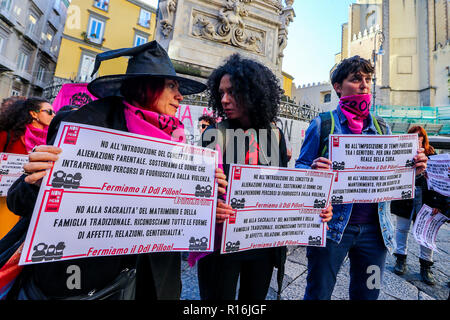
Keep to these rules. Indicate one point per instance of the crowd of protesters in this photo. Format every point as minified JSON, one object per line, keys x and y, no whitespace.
{"x":246,"y":96}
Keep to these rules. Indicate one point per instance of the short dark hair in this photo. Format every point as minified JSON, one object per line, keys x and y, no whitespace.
{"x":209,"y":119}
{"x":350,"y":65}
{"x":255,"y":87}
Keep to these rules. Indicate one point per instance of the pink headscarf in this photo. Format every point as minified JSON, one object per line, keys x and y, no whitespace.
{"x":356,"y":109}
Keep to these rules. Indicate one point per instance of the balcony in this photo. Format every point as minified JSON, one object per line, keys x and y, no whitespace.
{"x":7,"y":16}
{"x":31,"y":35}
{"x":6,"y":64}
{"x":41,"y":84}
{"x":24,"y":75}
{"x":48,"y":50}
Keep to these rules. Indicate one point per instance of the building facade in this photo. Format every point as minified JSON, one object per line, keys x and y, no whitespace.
{"x":30,"y":36}
{"x":95,"y":26}
{"x":318,"y":95}
{"x":408,"y":41}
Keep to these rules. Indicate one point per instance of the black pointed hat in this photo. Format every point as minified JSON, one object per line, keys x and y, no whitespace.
{"x":147,"y":60}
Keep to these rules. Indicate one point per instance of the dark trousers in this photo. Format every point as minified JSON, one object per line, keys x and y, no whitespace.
{"x":218,"y":275}
{"x":158,"y":276}
{"x":367,"y":253}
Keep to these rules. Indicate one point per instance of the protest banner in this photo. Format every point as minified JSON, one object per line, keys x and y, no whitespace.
{"x":426,"y":227}
{"x":72,"y":94}
{"x":438,"y":173}
{"x":113,"y":192}
{"x":372,"y":152}
{"x":11,"y":168}
{"x":353,"y":186}
{"x":373,"y":168}
{"x":294,"y":130}
{"x":275,"y":207}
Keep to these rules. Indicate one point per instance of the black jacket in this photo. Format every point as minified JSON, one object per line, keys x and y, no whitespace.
{"x":278,"y":254}
{"x":433,"y":199}
{"x":96,"y":273}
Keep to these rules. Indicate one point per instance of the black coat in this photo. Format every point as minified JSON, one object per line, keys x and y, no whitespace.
{"x":403,"y":208}
{"x":276,"y":255}
{"x":96,"y":273}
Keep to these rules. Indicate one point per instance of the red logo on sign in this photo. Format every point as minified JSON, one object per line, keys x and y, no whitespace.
{"x":72,"y":135}
{"x":54,"y":200}
{"x":232,"y":217}
{"x":237,"y":174}
{"x":335,"y":141}
{"x":4,"y":157}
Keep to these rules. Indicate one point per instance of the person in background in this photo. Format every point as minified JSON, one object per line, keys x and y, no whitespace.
{"x":363,"y":231}
{"x":406,"y":210}
{"x":10,"y":100}
{"x":205,"y":121}
{"x":23,"y":125}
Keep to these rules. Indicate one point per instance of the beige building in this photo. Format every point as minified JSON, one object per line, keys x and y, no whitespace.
{"x":320,"y":96}
{"x":412,"y":69}
{"x":30,"y":36}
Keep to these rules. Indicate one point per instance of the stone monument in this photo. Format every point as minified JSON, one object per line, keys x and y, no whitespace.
{"x":200,"y":34}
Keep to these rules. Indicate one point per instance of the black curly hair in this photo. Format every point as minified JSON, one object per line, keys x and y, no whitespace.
{"x":17,"y":115}
{"x":255,"y":88}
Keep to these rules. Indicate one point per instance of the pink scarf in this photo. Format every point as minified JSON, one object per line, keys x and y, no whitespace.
{"x":34,"y":136}
{"x":356,"y":109}
{"x":152,"y":124}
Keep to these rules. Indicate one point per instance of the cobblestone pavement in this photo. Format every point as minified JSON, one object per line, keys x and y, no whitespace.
{"x":394,"y":287}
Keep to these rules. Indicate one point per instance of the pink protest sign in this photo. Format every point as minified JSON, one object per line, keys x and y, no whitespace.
{"x":75,"y":94}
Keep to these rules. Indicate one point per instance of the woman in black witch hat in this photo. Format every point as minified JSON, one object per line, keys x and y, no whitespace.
{"x":139,"y":101}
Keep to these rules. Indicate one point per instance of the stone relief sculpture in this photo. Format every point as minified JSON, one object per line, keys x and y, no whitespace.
{"x":287,"y":16}
{"x":229,"y":27}
{"x":167,"y":9}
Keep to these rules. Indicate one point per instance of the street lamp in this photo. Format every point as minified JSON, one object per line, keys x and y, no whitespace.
{"x":374,"y":55}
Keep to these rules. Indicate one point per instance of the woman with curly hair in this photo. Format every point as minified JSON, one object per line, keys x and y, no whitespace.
{"x":247,"y":95}
{"x":23,"y":125}
{"x":9,"y":101}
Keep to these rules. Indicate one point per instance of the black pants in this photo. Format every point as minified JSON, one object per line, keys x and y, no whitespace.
{"x":158,"y":276}
{"x":218,"y":275}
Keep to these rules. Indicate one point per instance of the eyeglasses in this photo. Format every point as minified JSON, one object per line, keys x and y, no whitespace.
{"x":50,"y":112}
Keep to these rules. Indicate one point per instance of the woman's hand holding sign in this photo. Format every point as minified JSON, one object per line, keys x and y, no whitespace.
{"x":223,"y":211}
{"x":221,"y":181}
{"x":321,"y":163}
{"x":327,"y":214}
{"x":420,"y":161}
{"x":39,"y":161}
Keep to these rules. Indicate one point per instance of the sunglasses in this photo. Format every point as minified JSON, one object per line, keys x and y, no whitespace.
{"x":203,"y":126}
{"x":50,"y":112}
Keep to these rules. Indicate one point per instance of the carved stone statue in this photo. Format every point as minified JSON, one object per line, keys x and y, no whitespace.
{"x":287,"y":17}
{"x":229,"y":27}
{"x":167,"y":9}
